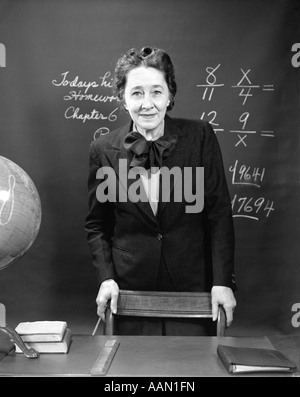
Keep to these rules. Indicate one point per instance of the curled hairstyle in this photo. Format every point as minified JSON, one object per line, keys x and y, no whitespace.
{"x":149,"y":57}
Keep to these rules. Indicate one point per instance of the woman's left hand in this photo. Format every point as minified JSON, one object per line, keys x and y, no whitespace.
{"x":224,"y":296}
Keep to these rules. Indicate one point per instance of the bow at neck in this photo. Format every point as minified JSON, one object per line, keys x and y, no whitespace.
{"x":149,"y":154}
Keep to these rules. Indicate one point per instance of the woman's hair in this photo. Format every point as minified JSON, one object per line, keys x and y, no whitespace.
{"x":149,"y":57}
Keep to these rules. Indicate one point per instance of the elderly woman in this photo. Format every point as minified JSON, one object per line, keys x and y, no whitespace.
{"x":138,"y":240}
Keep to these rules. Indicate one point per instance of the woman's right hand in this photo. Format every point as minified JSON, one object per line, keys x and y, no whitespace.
{"x":109,"y":290}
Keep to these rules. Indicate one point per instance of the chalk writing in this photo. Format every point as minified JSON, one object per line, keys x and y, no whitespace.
{"x":246,"y":90}
{"x":240,"y":132}
{"x":246,"y":175}
{"x":242,"y":174}
{"x":74,"y":113}
{"x":211,"y":83}
{"x":106,"y":80}
{"x":82,"y":91}
{"x":101,"y":131}
{"x":243,"y":132}
{"x":251,"y":208}
{"x":78,"y":96}
{"x":7,"y":199}
{"x":211,"y":117}
{"x":246,"y":87}
{"x":75,"y":83}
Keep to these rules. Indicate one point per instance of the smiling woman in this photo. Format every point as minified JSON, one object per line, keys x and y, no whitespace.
{"x":146,"y":98}
{"x":159,"y":234}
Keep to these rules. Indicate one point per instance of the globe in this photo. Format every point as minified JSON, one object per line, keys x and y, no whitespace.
{"x":20,"y":212}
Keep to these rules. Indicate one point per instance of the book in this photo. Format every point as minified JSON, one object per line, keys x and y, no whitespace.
{"x":247,"y":359}
{"x":42,"y":331}
{"x":50,"y":347}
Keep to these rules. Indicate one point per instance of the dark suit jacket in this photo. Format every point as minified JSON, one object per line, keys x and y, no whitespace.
{"x":128,"y":241}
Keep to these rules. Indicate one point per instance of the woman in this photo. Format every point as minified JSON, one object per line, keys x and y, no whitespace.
{"x":138,"y":240}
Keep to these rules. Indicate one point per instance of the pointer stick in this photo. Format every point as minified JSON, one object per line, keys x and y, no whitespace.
{"x":96,"y":327}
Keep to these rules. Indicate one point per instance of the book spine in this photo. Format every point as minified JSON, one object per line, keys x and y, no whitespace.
{"x":225,"y":360}
{"x":50,"y":347}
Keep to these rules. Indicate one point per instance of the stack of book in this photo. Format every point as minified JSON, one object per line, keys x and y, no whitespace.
{"x":45,"y":336}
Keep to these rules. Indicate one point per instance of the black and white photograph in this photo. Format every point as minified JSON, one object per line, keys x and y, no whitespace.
{"x":149,"y":191}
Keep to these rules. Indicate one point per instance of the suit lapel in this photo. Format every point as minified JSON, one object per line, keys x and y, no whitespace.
{"x":117,"y":153}
{"x":176,"y":158}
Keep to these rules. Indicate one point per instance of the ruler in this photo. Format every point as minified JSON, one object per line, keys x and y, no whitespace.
{"x":105,"y":358}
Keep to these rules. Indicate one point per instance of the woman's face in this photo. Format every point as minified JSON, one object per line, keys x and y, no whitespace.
{"x":146,"y":97}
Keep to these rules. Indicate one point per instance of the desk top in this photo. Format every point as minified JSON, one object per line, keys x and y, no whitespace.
{"x":144,"y":356}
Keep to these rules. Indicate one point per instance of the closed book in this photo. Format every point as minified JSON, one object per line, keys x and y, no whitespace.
{"x":42,"y":331}
{"x":50,"y":347}
{"x":248,"y":359}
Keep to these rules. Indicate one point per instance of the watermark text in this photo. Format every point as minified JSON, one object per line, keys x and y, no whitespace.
{"x":176,"y":184}
{"x":296,"y":57}
{"x":2,"y":56}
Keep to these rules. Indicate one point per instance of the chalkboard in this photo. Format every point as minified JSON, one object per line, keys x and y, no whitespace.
{"x":233,"y":68}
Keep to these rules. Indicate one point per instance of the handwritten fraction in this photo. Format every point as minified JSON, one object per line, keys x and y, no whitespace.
{"x":245,"y":89}
{"x":248,"y":204}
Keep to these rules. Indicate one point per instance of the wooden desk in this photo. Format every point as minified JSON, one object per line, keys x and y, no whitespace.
{"x":140,"y":356}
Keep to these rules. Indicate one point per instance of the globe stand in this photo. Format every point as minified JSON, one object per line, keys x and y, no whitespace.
{"x":14,"y":336}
